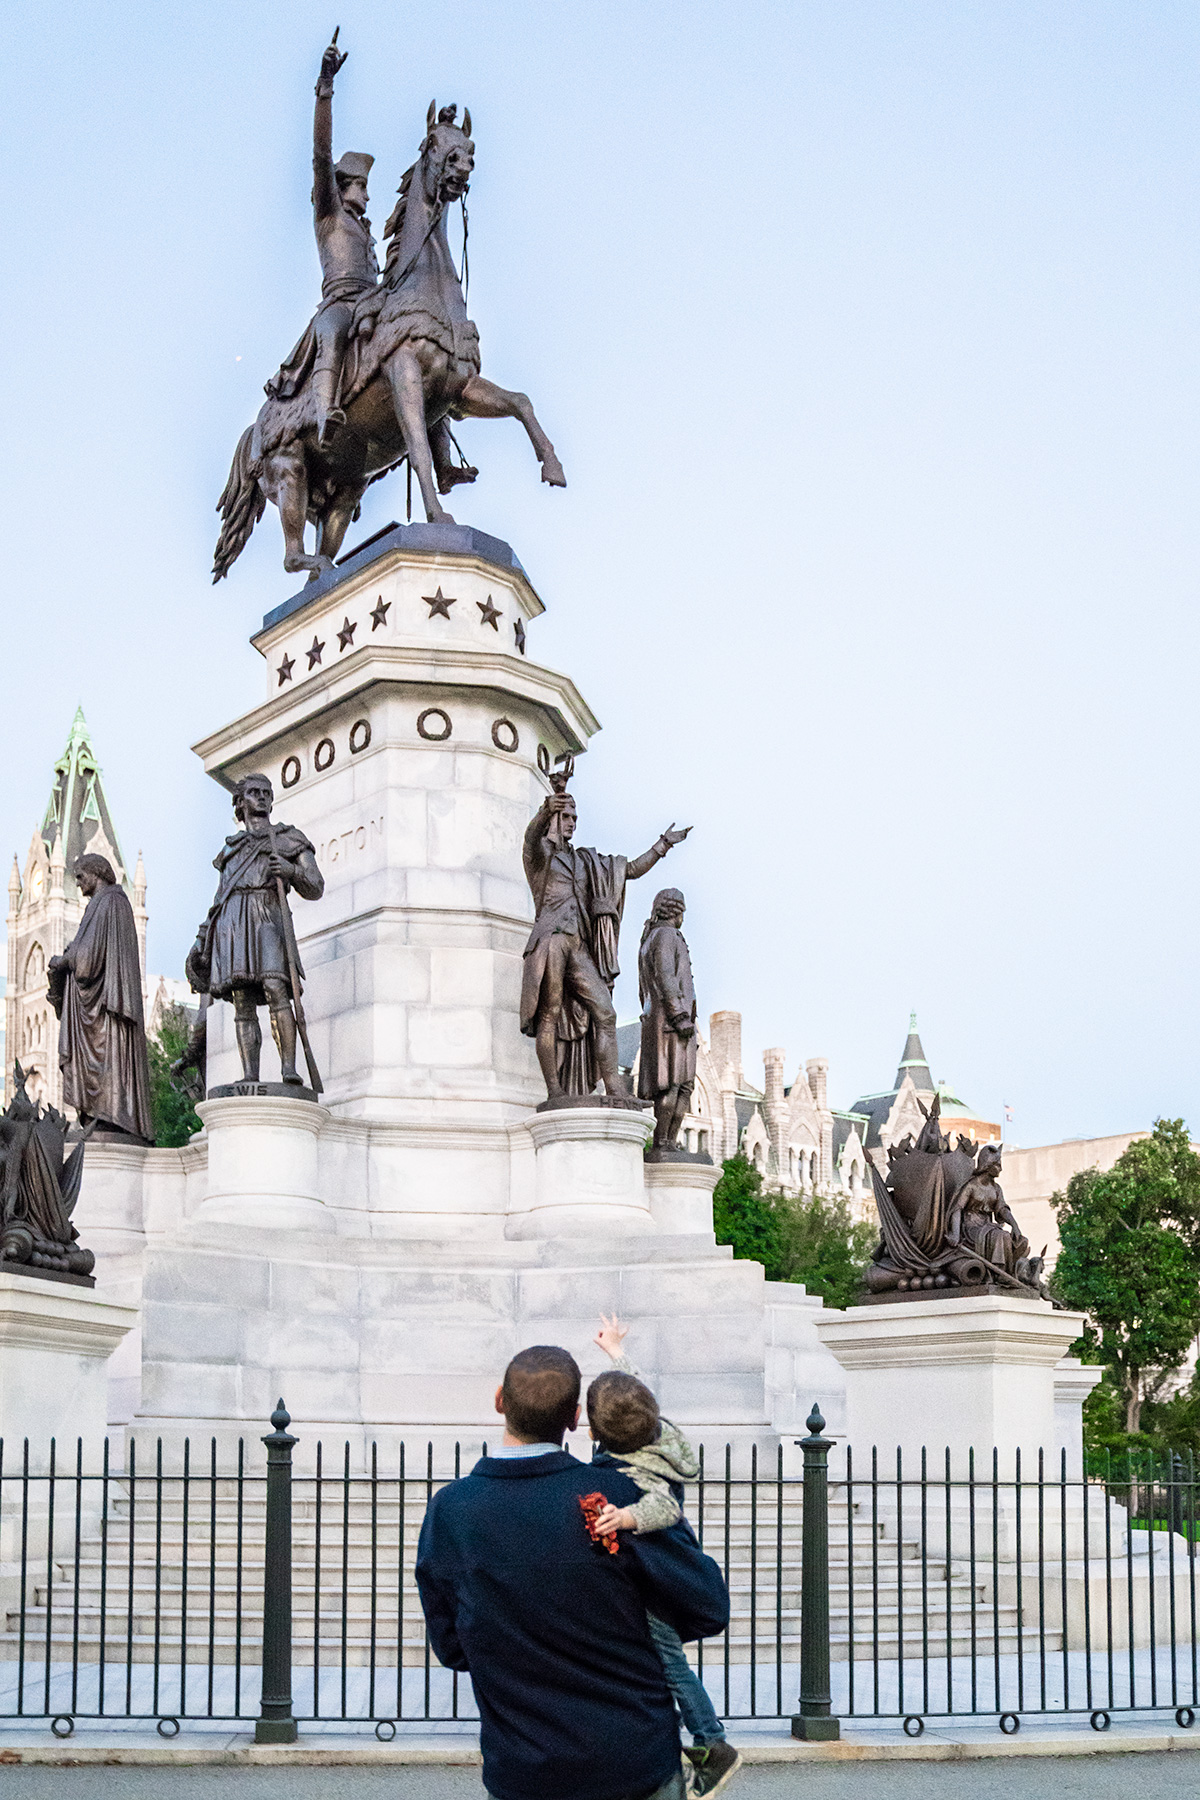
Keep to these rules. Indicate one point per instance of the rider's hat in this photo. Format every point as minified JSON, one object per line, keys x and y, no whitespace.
{"x":353,"y":165}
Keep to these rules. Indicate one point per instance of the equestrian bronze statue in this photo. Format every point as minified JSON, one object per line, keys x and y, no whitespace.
{"x":385,"y":363}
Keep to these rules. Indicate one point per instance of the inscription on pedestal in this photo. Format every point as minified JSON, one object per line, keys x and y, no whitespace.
{"x":356,"y":840}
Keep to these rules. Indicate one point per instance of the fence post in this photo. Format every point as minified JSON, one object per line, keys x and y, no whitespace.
{"x":277,"y":1724}
{"x":1175,"y":1508}
{"x":814,"y":1720}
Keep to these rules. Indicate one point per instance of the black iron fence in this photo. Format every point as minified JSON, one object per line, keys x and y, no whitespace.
{"x":225,"y":1589}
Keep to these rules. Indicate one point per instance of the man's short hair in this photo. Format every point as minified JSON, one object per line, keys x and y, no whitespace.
{"x":91,"y":864}
{"x":239,"y":792}
{"x":540,"y":1393}
{"x":622,"y":1412}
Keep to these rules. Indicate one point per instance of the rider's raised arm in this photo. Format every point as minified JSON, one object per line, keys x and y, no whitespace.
{"x":325,"y":189}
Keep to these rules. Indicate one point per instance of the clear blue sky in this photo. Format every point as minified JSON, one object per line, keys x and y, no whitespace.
{"x":868,"y":336}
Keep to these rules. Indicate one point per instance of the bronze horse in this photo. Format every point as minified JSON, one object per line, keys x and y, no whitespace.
{"x":412,"y":364}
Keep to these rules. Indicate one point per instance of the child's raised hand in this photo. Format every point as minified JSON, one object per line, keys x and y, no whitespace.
{"x":611,"y":1335}
{"x":612,"y":1518}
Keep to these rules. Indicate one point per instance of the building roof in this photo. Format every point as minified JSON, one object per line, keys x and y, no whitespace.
{"x":913,"y":1062}
{"x":77,"y":811}
{"x":846,"y":1122}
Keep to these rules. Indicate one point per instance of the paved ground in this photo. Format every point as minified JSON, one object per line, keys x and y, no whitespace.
{"x":1150,"y":1776}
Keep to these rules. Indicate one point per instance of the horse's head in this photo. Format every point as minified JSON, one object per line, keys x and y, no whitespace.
{"x":447,"y":155}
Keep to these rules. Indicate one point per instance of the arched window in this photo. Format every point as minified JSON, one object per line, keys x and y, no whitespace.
{"x":702,"y":1142}
{"x":758,"y":1156}
{"x":35,"y":966}
{"x":812,"y":1170}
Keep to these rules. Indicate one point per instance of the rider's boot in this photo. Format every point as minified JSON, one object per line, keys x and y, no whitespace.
{"x":329,"y":416}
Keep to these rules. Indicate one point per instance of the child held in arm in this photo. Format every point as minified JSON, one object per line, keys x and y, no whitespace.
{"x":625,"y":1422}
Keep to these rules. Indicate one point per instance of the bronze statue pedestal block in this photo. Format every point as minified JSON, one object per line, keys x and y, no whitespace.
{"x":261,"y":1090}
{"x":589,"y":1175}
{"x":680,"y":1186}
{"x":55,"y":1342}
{"x":611,"y":1102}
{"x":263,"y":1165}
{"x":937,"y":1374}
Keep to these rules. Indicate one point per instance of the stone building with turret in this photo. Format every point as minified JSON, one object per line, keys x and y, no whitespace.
{"x":790,"y":1132}
{"x":45,"y":907}
{"x":787,"y":1130}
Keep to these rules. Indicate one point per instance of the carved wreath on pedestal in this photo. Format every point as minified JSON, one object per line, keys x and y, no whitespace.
{"x":944,"y":1221}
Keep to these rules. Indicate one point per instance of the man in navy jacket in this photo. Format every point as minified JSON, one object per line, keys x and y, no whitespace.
{"x":552,"y":1629}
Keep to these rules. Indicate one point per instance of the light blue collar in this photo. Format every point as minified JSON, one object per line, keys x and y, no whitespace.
{"x":512,"y":1450}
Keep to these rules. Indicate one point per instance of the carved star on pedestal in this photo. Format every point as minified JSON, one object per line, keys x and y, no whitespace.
{"x":439,"y":603}
{"x":379,"y":613}
{"x":490,"y":613}
{"x":346,"y":634}
{"x":314,"y":652}
{"x":519,"y":634}
{"x":285,"y":668}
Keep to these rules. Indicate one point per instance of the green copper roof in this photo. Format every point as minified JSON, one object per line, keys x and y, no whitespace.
{"x":78,"y":809}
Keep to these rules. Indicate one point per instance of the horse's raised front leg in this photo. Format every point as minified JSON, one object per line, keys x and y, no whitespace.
{"x":284,"y":480}
{"x":482,"y":399}
{"x":408,"y":398}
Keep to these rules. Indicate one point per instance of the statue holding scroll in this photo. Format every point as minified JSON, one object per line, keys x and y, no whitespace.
{"x":667,"y":1065}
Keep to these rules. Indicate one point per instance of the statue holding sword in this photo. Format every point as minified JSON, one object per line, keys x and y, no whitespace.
{"x":245,"y":951}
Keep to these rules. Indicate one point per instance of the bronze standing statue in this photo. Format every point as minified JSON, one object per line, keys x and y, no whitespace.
{"x":245,"y":951}
{"x":383,"y":366}
{"x":571,"y":957}
{"x":95,"y":988}
{"x":667,"y":1065}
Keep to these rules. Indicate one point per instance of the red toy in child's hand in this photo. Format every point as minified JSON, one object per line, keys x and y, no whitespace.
{"x":592,"y":1505}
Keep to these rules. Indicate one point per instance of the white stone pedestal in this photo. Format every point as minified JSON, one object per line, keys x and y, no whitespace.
{"x":963,"y":1374}
{"x":55,"y":1342}
{"x":263,"y":1164}
{"x":681,"y":1195}
{"x":588,"y":1179}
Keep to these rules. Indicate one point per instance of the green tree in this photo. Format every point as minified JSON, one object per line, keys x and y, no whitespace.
{"x":175,"y":1118}
{"x":813,"y":1240}
{"x":821,"y":1245}
{"x":1130,"y":1259}
{"x":744,"y":1217}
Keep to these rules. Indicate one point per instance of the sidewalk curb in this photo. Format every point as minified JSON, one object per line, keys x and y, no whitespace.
{"x":302,"y":1755}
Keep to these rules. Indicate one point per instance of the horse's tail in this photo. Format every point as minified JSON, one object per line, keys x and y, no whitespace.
{"x":241,"y":507}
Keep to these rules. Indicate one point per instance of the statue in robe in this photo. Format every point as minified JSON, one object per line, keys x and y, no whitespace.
{"x":981,"y":1222}
{"x":571,"y":957}
{"x":667,"y":1065}
{"x":96,"y":990}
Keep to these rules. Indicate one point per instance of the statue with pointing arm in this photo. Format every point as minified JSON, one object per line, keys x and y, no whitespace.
{"x":571,"y":957}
